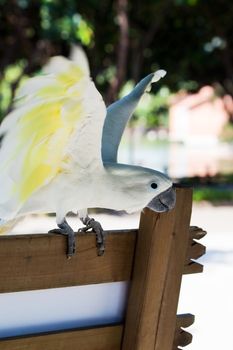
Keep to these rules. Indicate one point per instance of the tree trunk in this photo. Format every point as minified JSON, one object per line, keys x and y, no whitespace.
{"x":123,"y":22}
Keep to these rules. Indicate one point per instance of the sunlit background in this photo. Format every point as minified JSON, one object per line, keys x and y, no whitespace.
{"x":184,"y":127}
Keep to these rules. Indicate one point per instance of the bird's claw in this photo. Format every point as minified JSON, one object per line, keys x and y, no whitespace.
{"x":95,"y":226}
{"x":83,"y":229}
{"x":66,"y":230}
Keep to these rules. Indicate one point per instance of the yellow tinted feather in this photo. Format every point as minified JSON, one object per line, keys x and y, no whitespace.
{"x":55,"y":127}
{"x":49,"y":125}
{"x":50,"y":133}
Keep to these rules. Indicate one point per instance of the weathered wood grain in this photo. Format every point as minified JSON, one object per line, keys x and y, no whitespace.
{"x":159,"y":263}
{"x":29,"y":262}
{"x":150,"y":267}
{"x":167,"y":316}
{"x":101,"y":338}
{"x":96,"y":338}
{"x":38,"y":261}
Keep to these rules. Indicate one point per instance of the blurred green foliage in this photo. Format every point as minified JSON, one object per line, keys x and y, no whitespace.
{"x":191,"y":39}
{"x":152,"y":110}
{"x":213,"y":195}
{"x":10,"y":77}
{"x":52,"y":28}
{"x":62,"y":22}
{"x":227,"y":133}
{"x":215,"y":189}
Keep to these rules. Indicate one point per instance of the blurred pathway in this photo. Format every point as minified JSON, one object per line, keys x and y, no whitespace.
{"x":209,"y":295}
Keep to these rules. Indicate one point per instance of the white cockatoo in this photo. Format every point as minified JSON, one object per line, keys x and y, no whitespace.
{"x":59,"y":152}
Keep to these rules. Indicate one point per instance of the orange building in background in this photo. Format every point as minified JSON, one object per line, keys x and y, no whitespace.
{"x":197,"y":118}
{"x":195,"y":125}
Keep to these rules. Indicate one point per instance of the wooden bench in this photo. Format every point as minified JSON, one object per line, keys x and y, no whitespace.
{"x":153,"y":258}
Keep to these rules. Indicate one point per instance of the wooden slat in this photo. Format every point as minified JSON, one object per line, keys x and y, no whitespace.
{"x":164,"y":240}
{"x":31,"y":262}
{"x":192,"y":267}
{"x":167,"y":321}
{"x":152,"y":251}
{"x":104,"y":338}
{"x":183,"y":338}
{"x":195,"y":251}
{"x":196,"y":232}
{"x":184,"y":320}
{"x":159,"y":263}
{"x":101,"y":338}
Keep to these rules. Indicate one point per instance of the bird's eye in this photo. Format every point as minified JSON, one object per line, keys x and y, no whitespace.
{"x":153,"y":185}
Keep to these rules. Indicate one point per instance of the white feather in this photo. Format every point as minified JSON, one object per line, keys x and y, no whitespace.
{"x":82,"y":151}
{"x":157,"y":76}
{"x":79,"y":57}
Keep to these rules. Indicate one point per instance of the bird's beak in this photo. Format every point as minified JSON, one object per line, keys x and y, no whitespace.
{"x":164,"y":201}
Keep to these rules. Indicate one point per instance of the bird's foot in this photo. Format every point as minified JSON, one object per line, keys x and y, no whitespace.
{"x":65,"y":229}
{"x":95,"y":226}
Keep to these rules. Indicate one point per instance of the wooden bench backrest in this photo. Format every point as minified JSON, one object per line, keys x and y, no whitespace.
{"x":153,"y":258}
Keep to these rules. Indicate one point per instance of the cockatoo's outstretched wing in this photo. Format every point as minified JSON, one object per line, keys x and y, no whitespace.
{"x":79,"y":57}
{"x":57,"y":122}
{"x":119,"y":113}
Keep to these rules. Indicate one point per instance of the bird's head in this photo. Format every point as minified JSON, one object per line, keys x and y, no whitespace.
{"x":135,"y":187}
